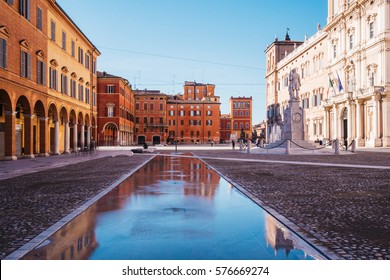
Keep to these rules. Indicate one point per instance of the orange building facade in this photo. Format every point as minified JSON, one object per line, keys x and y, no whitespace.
{"x":47,"y":81}
{"x":194,"y":116}
{"x":151,"y":124}
{"x":241,"y":114}
{"x":115,"y":111}
{"x":225,"y":128}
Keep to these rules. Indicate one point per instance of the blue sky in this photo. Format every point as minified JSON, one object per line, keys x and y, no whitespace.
{"x":159,"y":44}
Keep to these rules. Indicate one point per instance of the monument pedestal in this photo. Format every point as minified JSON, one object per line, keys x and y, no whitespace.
{"x":294,"y":128}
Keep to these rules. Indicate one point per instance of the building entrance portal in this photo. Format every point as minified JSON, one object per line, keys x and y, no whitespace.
{"x":344,"y":123}
{"x":156,"y":140}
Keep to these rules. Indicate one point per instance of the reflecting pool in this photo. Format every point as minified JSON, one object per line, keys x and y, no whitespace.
{"x":174,"y":208}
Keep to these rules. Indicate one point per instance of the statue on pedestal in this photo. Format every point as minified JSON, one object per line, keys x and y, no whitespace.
{"x":294,"y":84}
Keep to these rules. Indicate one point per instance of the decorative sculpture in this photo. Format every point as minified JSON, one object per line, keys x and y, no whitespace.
{"x":294,"y":84}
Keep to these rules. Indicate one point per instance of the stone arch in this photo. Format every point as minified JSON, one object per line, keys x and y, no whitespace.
{"x":72,"y":131}
{"x":64,"y":130}
{"x":23,"y":128}
{"x":54,"y":129}
{"x":81,"y":130}
{"x":94,"y":128}
{"x":141,"y":139}
{"x":7,"y":127}
{"x":40,"y":144}
{"x":110,"y":134}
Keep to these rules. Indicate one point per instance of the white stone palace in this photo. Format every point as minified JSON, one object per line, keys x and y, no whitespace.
{"x":344,"y":72}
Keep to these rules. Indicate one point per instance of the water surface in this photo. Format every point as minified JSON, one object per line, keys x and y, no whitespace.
{"x":174,"y":208}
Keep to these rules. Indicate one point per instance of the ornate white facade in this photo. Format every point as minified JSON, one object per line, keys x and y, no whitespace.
{"x":345,"y":76}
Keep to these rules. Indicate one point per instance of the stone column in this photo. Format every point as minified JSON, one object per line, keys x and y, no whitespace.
{"x":43,"y":137}
{"x":335,"y":129}
{"x":75,"y":137}
{"x":386,"y":120}
{"x":377,"y":124}
{"x":88,"y":137}
{"x":358,"y":122}
{"x":325,"y":124}
{"x":376,"y":120}
{"x":56,"y":137}
{"x":10,"y":139}
{"x":349,"y":122}
{"x":28,"y":137}
{"x":67,"y":138}
{"x":82,"y":137}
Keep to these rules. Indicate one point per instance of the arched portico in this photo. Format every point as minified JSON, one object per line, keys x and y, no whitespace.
{"x":7,"y":127}
{"x":81,"y":131}
{"x":73,"y":131}
{"x":110,"y":135}
{"x":40,"y":132}
{"x":54,"y":130}
{"x":64,"y":131}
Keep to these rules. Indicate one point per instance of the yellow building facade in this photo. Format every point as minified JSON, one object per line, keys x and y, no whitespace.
{"x":47,"y":81}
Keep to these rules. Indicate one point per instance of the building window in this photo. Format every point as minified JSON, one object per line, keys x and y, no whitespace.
{"x":25,"y":65}
{"x":151,"y":120}
{"x":41,"y":72}
{"x":145,"y":106}
{"x":63,"y":40}
{"x":228,"y":125}
{"x":137,"y":120}
{"x":73,"y":49}
{"x":209,"y":113}
{"x":87,"y":59}
{"x":94,"y":98}
{"x":87,"y":97}
{"x":93,"y":66}
{"x":145,"y":120}
{"x":73,"y":88}
{"x":81,"y":92}
{"x":110,"y":89}
{"x":351,"y":41}
{"x":53,"y":31}
{"x":81,"y":56}
{"x":137,"y":106}
{"x":171,"y":113}
{"x":110,"y":111}
{"x":181,"y":113}
{"x":372,"y":79}
{"x":372,"y":30}
{"x":161,"y":106}
{"x":64,"y":84}
{"x":24,"y":8}
{"x":3,"y":53}
{"x":209,"y":122}
{"x":53,"y":78}
{"x":39,"y":19}
{"x":334,"y":51}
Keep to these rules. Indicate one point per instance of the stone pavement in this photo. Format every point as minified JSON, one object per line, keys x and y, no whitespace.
{"x":341,"y":208}
{"x":337,"y":202}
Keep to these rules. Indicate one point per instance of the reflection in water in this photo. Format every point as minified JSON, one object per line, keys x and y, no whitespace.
{"x":173,"y":208}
